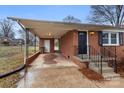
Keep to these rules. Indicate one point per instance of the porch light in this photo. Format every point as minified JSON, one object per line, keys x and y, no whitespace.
{"x":49,"y":34}
{"x":92,"y":33}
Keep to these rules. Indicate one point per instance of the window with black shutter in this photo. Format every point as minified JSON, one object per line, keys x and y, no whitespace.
{"x":110,"y":38}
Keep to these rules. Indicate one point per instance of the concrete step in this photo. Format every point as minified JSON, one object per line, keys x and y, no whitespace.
{"x":111,"y":76}
{"x":104,"y":69}
{"x":107,"y":72}
{"x":104,"y":64}
{"x":104,"y":59}
{"x":95,"y":58}
{"x":84,"y":56}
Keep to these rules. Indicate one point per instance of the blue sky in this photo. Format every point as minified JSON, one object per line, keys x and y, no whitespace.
{"x":50,"y":13}
{"x":55,"y":13}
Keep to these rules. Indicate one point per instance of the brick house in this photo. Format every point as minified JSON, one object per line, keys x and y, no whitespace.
{"x":5,"y":41}
{"x":75,"y":39}
{"x":9,"y":41}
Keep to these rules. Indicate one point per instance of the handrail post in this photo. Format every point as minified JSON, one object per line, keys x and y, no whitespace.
{"x":89,"y":51}
{"x":101,"y":65}
{"x":104,"y":52}
{"x":115,"y":61}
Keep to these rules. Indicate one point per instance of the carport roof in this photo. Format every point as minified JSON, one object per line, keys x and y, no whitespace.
{"x":57,"y":29}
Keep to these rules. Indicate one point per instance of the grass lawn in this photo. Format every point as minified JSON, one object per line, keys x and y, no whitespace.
{"x":11,"y":57}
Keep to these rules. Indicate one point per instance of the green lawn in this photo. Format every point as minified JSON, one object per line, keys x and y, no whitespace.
{"x":11,"y":57}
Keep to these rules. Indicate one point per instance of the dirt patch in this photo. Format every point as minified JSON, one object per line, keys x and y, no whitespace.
{"x":92,"y":75}
{"x":49,"y":59}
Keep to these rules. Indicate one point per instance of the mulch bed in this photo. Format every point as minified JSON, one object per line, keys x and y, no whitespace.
{"x":90,"y":74}
{"x":49,"y":59}
{"x":120,"y":69}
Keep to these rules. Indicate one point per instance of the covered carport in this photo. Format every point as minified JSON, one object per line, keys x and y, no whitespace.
{"x":50,"y":30}
{"x":62,"y":71}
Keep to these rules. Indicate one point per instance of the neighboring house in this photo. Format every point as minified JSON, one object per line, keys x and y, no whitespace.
{"x":5,"y":41}
{"x":8,"y":41}
{"x":18,"y":41}
{"x":88,"y":41}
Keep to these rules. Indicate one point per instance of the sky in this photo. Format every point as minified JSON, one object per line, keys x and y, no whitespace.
{"x":54,"y":13}
{"x":43,"y":12}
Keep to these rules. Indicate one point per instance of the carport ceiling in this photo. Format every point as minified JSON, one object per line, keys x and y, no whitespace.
{"x":57,"y":29}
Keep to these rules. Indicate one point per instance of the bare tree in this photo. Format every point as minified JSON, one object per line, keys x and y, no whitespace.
{"x":6,"y":29}
{"x":21,"y":33}
{"x":71,"y":19}
{"x":31,"y":36}
{"x":107,"y":14}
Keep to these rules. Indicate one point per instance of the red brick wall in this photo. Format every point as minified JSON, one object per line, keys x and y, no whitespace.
{"x":68,"y":43}
{"x":93,"y":41}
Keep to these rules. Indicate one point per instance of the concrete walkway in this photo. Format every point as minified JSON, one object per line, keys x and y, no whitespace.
{"x":54,"y":71}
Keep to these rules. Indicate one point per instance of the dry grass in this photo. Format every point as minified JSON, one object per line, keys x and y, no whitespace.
{"x":10,"y":81}
{"x":11,"y":57}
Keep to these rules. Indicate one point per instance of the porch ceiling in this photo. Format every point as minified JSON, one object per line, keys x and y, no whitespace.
{"x":57,"y":29}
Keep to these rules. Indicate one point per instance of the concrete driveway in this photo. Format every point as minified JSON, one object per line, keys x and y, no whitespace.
{"x":54,"y":71}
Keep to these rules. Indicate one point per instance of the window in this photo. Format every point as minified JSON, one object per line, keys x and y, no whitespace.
{"x":110,"y":38}
{"x":56,"y":44}
{"x":105,"y":38}
{"x":113,"y":38}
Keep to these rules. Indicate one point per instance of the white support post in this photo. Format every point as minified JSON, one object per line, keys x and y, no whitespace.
{"x":35,"y":44}
{"x":88,"y":50}
{"x":26,"y":47}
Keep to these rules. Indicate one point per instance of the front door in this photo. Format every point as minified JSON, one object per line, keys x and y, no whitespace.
{"x":47,"y":45}
{"x":82,"y":42}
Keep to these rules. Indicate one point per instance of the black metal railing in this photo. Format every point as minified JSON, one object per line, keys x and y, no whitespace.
{"x":103,"y":54}
{"x":96,"y":57}
{"x":110,"y":56}
{"x":100,"y":55}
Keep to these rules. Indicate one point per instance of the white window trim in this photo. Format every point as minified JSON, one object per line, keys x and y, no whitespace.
{"x":109,"y":38}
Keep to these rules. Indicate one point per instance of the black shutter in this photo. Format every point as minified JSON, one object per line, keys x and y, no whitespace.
{"x":100,"y":38}
{"x":121,"y":38}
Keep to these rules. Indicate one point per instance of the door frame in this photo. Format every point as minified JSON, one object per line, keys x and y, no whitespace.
{"x":87,"y":36}
{"x":87,"y":43}
{"x":49,"y":46}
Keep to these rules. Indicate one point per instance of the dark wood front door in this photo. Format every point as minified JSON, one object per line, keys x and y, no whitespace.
{"x":82,"y":42}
